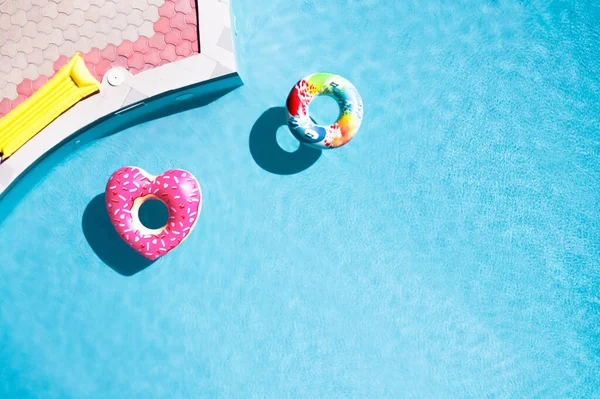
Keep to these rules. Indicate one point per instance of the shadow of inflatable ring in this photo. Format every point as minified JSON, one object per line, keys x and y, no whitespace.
{"x":269,"y":155}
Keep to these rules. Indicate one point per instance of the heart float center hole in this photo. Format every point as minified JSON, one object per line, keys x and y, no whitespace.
{"x":153,"y":214}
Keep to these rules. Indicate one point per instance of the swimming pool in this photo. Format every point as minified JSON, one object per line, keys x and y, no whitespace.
{"x":451,"y":249}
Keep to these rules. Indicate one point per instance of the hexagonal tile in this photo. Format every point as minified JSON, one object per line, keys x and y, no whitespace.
{"x":83,"y":44}
{"x":35,"y":56}
{"x":139,"y":4}
{"x":162,"y":25}
{"x":125,"y":49}
{"x":30,"y":30}
{"x":168,"y":10}
{"x":157,"y":3}
{"x":25,"y":45}
{"x":39,"y":3}
{"x":184,"y":49}
{"x":24,"y":88}
{"x":151,"y":14}
{"x":135,"y":18}
{"x":45,"y":26}
{"x":46,"y":68}
{"x":92,"y":56}
{"x":77,"y":17}
{"x":14,"y":33}
{"x":99,"y":3}
{"x":61,"y":21}
{"x":14,"y":76}
{"x":189,"y":33}
{"x":136,"y":60}
{"x":40,"y":41}
{"x":50,"y":11}
{"x":19,"y":18}
{"x":168,"y":53}
{"x":191,"y":18}
{"x":88,"y":29}
{"x":157,"y":41}
{"x":195,"y":47}
{"x":152,"y":57}
{"x":119,"y":22}
{"x":109,"y":52}
{"x":173,"y":37}
{"x":66,"y":7}
{"x":146,"y":29}
{"x":24,"y":5}
{"x":183,"y":7}
{"x":56,"y":37}
{"x":9,"y":49}
{"x":34,"y":14}
{"x":120,"y":62}
{"x":99,"y":40}
{"x":4,"y":66}
{"x":141,"y":45}
{"x":108,"y":10}
{"x":114,"y":37}
{"x":124,"y":7}
{"x":51,"y":52}
{"x":4,"y":20}
{"x":93,"y":14}
{"x":10,"y":89}
{"x":82,"y":5}
{"x":67,"y":49}
{"x":3,"y":80}
{"x":178,"y":21}
{"x":130,"y":33}
{"x":31,"y":72}
{"x":19,"y":61}
{"x":8,"y":7}
{"x":103,"y":25}
{"x":71,"y":33}
{"x":3,"y":39}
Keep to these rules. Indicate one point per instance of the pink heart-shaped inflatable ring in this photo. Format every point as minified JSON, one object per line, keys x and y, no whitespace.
{"x":129,"y":187}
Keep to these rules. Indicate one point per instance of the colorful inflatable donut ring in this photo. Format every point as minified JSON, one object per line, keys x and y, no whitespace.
{"x":343,"y":92}
{"x":129,"y":187}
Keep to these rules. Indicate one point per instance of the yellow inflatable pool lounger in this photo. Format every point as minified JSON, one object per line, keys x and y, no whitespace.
{"x":67,"y":87}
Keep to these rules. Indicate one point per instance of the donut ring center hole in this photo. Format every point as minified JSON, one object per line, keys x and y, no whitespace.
{"x":324,"y":110}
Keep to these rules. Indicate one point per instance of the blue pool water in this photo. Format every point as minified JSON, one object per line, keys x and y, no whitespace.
{"x":450,"y":250}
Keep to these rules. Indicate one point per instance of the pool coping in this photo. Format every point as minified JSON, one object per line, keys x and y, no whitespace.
{"x":176,"y":86}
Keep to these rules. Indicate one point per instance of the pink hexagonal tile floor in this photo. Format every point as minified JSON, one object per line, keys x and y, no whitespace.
{"x":36,"y":40}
